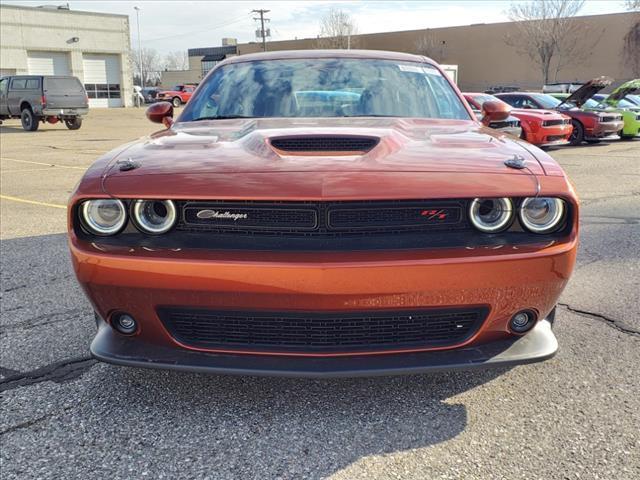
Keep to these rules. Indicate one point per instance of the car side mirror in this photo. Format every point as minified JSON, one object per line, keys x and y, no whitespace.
{"x":495,"y":112}
{"x":161,"y":112}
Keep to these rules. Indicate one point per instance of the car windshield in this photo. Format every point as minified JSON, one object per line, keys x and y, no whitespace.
{"x":325,"y":87}
{"x":626,"y":104}
{"x":547,"y":101}
{"x":633,"y":99}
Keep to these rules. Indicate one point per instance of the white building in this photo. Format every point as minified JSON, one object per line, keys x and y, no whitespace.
{"x":56,"y":41}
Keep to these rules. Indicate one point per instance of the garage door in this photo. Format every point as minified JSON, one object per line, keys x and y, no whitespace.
{"x":102,"y":80}
{"x":48,"y":63}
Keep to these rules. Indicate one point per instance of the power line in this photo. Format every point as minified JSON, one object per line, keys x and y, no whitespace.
{"x":263,"y":33}
{"x":230,"y":22}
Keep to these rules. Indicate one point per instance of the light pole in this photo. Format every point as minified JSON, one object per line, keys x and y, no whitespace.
{"x":137,"y":9}
{"x":348,"y":28}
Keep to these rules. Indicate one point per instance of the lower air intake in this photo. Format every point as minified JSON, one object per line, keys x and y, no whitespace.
{"x":313,"y":332}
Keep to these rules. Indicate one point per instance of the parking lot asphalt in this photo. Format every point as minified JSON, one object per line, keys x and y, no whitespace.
{"x":65,"y":416}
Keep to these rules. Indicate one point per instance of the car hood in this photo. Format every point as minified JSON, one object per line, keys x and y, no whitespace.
{"x":588,"y":90}
{"x":536,"y":113}
{"x":622,"y":91}
{"x":245,"y":146}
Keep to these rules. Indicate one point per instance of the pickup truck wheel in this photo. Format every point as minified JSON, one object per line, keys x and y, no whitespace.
{"x":176,"y":102}
{"x":577,"y":135}
{"x":29,"y":121}
{"x":73,"y":123}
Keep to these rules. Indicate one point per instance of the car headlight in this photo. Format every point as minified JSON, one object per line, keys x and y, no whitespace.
{"x":541,"y":214}
{"x":105,"y":216}
{"x":491,"y":215}
{"x":154,"y":216}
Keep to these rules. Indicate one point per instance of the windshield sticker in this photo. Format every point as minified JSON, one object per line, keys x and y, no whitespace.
{"x":419,"y":69}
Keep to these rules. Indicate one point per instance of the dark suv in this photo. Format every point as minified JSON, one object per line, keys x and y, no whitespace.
{"x":37,"y":98}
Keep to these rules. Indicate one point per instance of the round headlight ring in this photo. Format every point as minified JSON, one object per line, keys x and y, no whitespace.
{"x":500,"y":208}
{"x":103,"y":216}
{"x":154,"y":217}
{"x":550,"y":222}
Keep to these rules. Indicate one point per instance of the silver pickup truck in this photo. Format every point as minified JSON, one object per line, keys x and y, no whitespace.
{"x":38,"y":98}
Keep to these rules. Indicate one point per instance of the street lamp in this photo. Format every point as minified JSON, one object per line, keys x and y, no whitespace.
{"x":348,"y":27}
{"x":137,"y":9}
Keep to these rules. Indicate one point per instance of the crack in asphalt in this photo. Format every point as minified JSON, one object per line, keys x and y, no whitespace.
{"x":34,"y":421}
{"x":58,"y":372}
{"x":612,"y":322}
{"x":50,"y":318}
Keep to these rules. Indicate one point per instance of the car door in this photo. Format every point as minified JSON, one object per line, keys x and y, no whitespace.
{"x":15,"y":93}
{"x":4,"y":88}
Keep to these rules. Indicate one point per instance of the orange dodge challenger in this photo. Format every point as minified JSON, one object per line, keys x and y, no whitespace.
{"x":324,"y":213}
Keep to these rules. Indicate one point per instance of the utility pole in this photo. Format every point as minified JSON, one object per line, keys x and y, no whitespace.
{"x":137,"y":9}
{"x":263,"y":32}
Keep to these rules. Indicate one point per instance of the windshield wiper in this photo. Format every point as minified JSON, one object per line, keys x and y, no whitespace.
{"x":220,"y":117}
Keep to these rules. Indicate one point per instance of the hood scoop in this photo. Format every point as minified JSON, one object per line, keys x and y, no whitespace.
{"x":324,"y":144}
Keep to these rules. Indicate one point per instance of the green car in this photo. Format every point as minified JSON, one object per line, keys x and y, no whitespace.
{"x":630,"y":116}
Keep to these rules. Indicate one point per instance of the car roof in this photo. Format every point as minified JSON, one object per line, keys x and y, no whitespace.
{"x":292,"y":54}
{"x":510,"y":94}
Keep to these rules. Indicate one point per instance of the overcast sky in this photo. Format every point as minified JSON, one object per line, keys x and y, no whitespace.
{"x":172,"y":25}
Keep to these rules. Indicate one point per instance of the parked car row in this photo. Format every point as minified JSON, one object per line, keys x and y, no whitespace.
{"x":583,"y":115}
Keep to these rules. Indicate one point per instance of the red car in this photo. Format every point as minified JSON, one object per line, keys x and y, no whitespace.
{"x":324,"y":213}
{"x":177,"y":95}
{"x":539,"y":127}
{"x":589,"y":126}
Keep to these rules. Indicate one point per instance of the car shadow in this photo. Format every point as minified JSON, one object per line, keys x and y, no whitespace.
{"x":284,"y":422}
{"x":6,"y":129}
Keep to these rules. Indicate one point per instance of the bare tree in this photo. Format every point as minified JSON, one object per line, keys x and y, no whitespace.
{"x":337,"y":29}
{"x":632,"y":5}
{"x":547,"y":32}
{"x":176,"y":60}
{"x":631,"y":48}
{"x":151,"y":65}
{"x":429,"y":46}
{"x":571,"y":51}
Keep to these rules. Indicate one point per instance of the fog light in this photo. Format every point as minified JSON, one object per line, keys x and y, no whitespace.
{"x":124,"y":323}
{"x":522,"y":321}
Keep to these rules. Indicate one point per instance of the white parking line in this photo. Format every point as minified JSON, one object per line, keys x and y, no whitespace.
{"x":42,"y":163}
{"x":34,"y":202}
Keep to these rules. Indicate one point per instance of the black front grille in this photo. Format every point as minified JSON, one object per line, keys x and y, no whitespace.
{"x":505,"y":124}
{"x":322,"y":219}
{"x":334,"y":143}
{"x":551,"y":123}
{"x":314,"y":332}
{"x":609,"y":119}
{"x":554,"y":138}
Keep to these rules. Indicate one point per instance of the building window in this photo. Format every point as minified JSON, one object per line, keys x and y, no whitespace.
{"x":102,"y":90}
{"x":207,"y":65}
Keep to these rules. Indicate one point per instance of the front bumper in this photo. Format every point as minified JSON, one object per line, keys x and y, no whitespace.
{"x":505,"y":279}
{"x":548,"y":136}
{"x":537,"y":345}
{"x":604,"y":130}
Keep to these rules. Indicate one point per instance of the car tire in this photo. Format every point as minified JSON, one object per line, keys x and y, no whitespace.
{"x":30,"y":122}
{"x":73,"y":123}
{"x":577,"y":135}
{"x":176,"y":102}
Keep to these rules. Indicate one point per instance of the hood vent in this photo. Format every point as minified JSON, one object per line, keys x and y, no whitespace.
{"x":318,"y":143}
